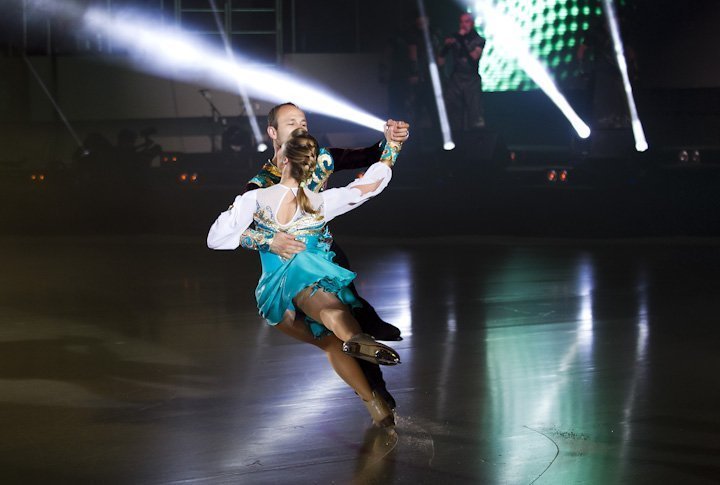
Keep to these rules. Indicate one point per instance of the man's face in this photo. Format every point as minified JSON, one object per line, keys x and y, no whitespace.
{"x":466,"y":23}
{"x":289,"y":118}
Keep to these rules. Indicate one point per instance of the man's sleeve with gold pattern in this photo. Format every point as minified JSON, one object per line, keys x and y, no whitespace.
{"x":323,"y":168}
{"x":255,"y":240}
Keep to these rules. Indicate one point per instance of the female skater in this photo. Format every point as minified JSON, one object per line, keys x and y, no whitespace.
{"x":309,"y":280}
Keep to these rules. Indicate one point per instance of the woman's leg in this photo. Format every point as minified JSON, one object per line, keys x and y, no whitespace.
{"x":327,"y":308}
{"x":345,"y":366}
{"x":298,"y":329}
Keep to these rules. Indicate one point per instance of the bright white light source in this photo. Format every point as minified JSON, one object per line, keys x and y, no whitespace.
{"x":262,"y":147}
{"x":511,"y":40}
{"x":449,"y":145}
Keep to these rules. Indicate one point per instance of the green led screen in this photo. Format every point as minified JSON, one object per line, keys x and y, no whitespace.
{"x":554,"y":30}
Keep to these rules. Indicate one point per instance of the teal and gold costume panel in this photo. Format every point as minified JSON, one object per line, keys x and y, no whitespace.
{"x":268,"y":175}
{"x":259,"y":238}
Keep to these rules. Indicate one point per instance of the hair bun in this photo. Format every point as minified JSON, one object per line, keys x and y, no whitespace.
{"x":297,"y":132}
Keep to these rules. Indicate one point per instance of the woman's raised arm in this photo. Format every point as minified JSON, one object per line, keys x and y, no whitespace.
{"x":341,"y":200}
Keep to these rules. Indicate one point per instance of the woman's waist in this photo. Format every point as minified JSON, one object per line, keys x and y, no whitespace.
{"x":313,"y":244}
{"x":315,"y":239}
{"x":311,"y":241}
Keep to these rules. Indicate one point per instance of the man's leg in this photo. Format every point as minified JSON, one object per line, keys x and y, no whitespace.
{"x":473,"y":95}
{"x":455,"y":104}
{"x":369,"y":320}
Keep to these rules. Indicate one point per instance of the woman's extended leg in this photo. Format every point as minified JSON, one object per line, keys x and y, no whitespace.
{"x":345,"y":366}
{"x":327,"y":308}
{"x":299,"y":330}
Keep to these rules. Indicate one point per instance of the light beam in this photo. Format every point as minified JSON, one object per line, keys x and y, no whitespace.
{"x":448,"y":143}
{"x":172,"y":53}
{"x":511,"y":40}
{"x":641,"y":143}
{"x":241,"y":89}
{"x":166,"y":51}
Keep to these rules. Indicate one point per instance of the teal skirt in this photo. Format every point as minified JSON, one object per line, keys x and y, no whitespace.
{"x":282,"y":280}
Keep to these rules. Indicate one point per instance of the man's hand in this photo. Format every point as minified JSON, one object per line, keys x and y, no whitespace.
{"x":397,"y":131}
{"x":285,"y":245}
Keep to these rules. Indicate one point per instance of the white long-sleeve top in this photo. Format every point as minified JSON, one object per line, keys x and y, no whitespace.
{"x":261,"y":206}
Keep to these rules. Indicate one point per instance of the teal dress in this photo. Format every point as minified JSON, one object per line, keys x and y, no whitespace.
{"x":282,"y":280}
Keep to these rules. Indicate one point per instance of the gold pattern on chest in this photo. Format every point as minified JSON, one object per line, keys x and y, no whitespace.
{"x":301,"y":225}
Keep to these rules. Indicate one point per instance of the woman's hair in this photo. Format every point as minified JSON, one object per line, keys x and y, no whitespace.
{"x":301,"y":150}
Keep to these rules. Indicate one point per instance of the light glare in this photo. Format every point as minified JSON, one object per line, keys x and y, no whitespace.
{"x":172,"y":53}
{"x":511,"y":39}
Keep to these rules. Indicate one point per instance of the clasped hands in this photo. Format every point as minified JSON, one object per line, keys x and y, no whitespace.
{"x":397,"y":131}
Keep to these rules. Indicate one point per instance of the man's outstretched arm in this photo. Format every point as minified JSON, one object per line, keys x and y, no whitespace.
{"x":352,"y":158}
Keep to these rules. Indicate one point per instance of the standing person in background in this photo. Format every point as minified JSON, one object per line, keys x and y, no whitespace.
{"x":462,"y":52}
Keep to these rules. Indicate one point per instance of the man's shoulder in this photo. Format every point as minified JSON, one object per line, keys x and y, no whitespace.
{"x":476,"y":38}
{"x":267,"y":175}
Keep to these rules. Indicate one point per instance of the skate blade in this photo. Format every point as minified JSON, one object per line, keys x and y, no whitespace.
{"x":380,"y":356}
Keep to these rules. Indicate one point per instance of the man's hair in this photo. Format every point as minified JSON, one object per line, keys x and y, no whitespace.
{"x":272,"y":114}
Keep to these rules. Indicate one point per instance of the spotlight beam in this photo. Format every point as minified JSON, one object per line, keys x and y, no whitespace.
{"x":448,"y":143}
{"x":173,"y":54}
{"x":173,"y":51}
{"x":54,"y":103}
{"x":241,"y":89}
{"x":510,"y":39}
{"x":641,"y":143}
